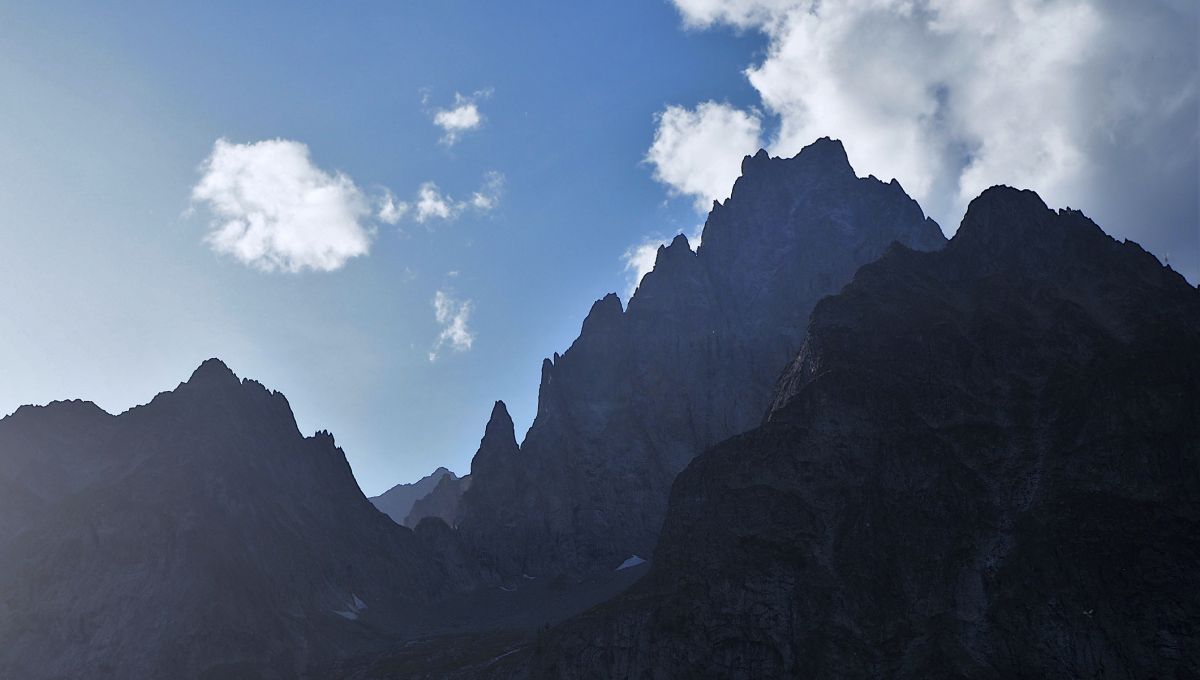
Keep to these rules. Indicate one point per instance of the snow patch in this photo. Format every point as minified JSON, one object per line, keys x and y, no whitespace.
{"x":350,"y":613}
{"x":633,"y":561}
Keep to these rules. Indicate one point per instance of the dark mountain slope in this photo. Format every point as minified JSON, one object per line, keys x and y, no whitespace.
{"x":985,"y":462}
{"x":200,"y":535}
{"x":693,"y":360}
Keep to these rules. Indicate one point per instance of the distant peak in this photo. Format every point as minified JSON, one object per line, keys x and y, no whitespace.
{"x":69,"y":408}
{"x":212,"y":371}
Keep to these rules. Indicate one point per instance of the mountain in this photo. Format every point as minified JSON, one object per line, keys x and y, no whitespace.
{"x":443,"y":502}
{"x":690,"y":362}
{"x":197,"y":536}
{"x":398,"y":501}
{"x":984,"y":462}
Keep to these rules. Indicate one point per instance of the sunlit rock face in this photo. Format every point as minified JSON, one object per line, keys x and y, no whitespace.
{"x":200,"y":535}
{"x":984,"y":462}
{"x":691,"y":361}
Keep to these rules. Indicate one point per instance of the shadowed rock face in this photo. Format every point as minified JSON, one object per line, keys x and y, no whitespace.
{"x":692,"y":361}
{"x":200,"y":535}
{"x":398,"y":501}
{"x":984,"y":462}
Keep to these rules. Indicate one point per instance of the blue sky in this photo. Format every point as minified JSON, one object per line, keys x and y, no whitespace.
{"x":607,"y":122}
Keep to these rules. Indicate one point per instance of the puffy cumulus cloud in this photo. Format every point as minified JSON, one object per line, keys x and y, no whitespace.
{"x":1093,"y":103}
{"x":452,"y":316}
{"x":638,"y":259}
{"x":460,"y":118}
{"x":275,"y":210}
{"x":698,"y":152}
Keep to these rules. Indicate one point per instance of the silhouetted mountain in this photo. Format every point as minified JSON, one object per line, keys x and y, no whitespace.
{"x":200,"y":535}
{"x":398,"y":501}
{"x":984,"y":462}
{"x":443,"y":502}
{"x":692,"y":361}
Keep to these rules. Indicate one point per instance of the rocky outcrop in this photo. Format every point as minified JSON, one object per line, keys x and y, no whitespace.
{"x":200,"y":535}
{"x":398,"y":501}
{"x":984,"y":462}
{"x":691,"y":361}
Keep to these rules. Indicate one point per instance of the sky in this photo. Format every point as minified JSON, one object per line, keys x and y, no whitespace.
{"x":391,"y":212}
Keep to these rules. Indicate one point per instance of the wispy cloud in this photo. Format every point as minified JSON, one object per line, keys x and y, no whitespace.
{"x":433,"y":204}
{"x":275,"y":210}
{"x":462,"y":117}
{"x":453,"y":316}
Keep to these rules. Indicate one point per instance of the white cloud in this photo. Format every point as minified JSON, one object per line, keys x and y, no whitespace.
{"x":1072,"y":98}
{"x":488,"y":196}
{"x":432,"y":204}
{"x":452,"y":315}
{"x":391,"y":210}
{"x":462,"y":117}
{"x":639,"y":259}
{"x":275,"y":210}
{"x":699,"y":152}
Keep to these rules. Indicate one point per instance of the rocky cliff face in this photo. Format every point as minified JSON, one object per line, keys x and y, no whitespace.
{"x":398,"y":501}
{"x":200,"y":535}
{"x":984,"y":462}
{"x":692,"y":361}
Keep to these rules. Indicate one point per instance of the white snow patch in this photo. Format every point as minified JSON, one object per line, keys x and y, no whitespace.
{"x":633,"y":561}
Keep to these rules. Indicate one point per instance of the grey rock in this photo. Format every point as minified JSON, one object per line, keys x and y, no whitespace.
{"x":197,"y":536}
{"x":690,"y":362}
{"x":984,"y":462}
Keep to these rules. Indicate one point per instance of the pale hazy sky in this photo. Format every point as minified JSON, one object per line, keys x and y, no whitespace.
{"x":392,"y":211}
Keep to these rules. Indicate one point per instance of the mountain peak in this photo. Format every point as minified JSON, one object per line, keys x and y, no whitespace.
{"x":499,"y":440}
{"x":828,"y":154}
{"x":500,"y":425}
{"x":758,"y":159}
{"x":213,"y":372}
{"x":605,"y":313}
{"x":1004,"y":224}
